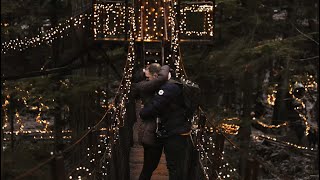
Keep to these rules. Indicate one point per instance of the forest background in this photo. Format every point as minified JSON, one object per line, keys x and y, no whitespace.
{"x":261,"y":50}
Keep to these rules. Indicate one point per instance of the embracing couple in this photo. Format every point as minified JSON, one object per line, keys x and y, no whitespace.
{"x":164,"y":124}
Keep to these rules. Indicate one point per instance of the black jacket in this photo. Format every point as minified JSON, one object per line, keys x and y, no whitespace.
{"x":168,"y":105}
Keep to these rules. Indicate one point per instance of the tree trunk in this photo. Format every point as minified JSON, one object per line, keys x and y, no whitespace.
{"x":55,"y":56}
{"x":317,"y":103}
{"x":280,"y":112}
{"x":11,"y":119}
{"x":245,"y":126}
{"x":2,"y":145}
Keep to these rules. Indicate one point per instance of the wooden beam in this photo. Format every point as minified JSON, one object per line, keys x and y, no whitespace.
{"x":200,"y":41}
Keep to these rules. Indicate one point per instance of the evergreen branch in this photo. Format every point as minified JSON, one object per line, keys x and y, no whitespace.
{"x":305,"y":59}
{"x":308,"y":37}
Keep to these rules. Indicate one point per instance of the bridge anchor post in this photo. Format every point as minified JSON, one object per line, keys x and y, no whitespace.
{"x":58,"y":169}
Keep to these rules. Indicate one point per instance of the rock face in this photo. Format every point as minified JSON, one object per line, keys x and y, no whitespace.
{"x":136,"y":158}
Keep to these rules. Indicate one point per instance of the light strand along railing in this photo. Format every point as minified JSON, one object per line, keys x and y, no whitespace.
{"x":60,"y":31}
{"x":69,"y":148}
{"x":124,"y":86}
{"x":276,"y":175}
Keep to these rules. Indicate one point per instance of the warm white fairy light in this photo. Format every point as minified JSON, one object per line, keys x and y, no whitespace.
{"x":283,"y":142}
{"x":47,"y":38}
{"x":209,"y":155}
{"x":271,"y":99}
{"x":208,"y":26}
{"x":5,"y":110}
{"x":272,"y":126}
{"x":109,"y":20}
{"x":19,"y":122}
{"x":229,"y":128}
{"x":300,"y":109}
{"x":174,"y":37}
{"x":39,"y":119}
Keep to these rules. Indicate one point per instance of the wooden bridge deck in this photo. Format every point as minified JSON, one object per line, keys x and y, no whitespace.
{"x":136,"y":158}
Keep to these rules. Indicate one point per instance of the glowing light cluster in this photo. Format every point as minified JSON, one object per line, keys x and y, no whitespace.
{"x":271,"y":99}
{"x":310,"y":82}
{"x":229,"y":128}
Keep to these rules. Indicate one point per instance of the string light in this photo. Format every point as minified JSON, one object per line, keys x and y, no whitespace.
{"x":59,"y":31}
{"x":19,"y":121}
{"x":283,"y":142}
{"x":113,"y":22}
{"x":272,"y":126}
{"x":210,"y":157}
{"x":5,"y":110}
{"x":229,"y":128}
{"x":208,"y":25}
{"x":299,"y":109}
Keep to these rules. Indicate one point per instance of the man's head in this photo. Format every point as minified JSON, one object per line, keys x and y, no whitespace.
{"x":152,"y":71}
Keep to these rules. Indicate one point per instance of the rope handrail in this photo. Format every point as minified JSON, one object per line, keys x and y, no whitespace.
{"x":85,"y":134}
{"x":94,"y":127}
{"x":35,"y":168}
{"x":75,"y":143}
{"x":64,"y":151}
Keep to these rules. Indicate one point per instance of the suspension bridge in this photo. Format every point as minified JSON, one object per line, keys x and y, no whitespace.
{"x":152,"y":32}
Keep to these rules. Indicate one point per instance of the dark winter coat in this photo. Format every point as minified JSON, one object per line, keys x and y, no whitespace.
{"x":145,"y":90}
{"x":168,"y":105}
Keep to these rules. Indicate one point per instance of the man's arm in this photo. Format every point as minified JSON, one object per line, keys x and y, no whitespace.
{"x":160,"y":102}
{"x":153,"y":85}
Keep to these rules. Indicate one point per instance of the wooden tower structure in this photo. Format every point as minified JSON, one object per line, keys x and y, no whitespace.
{"x":158,"y":28}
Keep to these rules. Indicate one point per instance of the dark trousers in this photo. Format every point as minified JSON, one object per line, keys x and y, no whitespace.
{"x":152,"y":155}
{"x":178,"y":155}
{"x":178,"y":150}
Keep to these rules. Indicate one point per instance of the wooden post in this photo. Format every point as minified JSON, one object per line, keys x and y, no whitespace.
{"x":280,"y":112}
{"x":58,"y":169}
{"x":316,"y":165}
{"x":218,"y":153}
{"x":245,"y":126}
{"x":11,"y":119}
{"x":252,"y":170}
{"x":2,"y":141}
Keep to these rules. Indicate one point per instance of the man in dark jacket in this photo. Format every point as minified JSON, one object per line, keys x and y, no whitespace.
{"x":174,"y":128}
{"x":145,"y":90}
